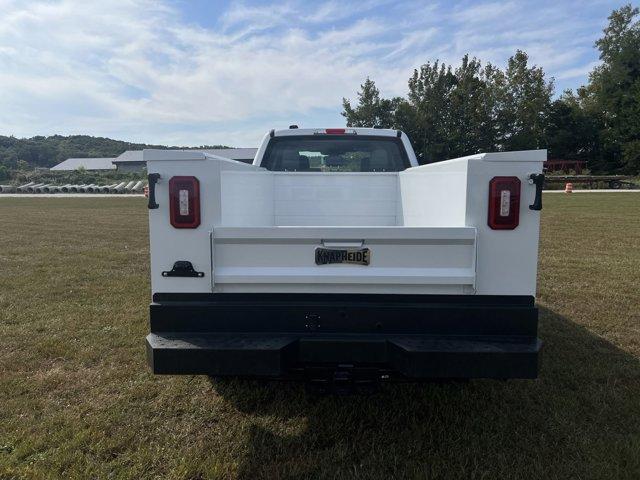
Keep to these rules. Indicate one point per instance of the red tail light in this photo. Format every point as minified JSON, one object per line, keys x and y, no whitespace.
{"x":184,"y":199}
{"x":335,"y":131}
{"x":504,"y":203}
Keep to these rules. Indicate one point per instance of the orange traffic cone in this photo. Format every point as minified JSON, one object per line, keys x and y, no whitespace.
{"x":568,"y":188}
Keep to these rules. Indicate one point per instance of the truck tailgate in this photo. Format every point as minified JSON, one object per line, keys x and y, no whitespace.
{"x":285,"y":255}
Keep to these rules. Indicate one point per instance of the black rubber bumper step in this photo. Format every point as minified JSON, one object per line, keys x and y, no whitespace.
{"x":411,"y":356}
{"x":213,"y":354}
{"x":432,"y":357}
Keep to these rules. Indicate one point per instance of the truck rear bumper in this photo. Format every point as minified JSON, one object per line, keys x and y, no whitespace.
{"x":296,"y":336}
{"x":395,"y":356}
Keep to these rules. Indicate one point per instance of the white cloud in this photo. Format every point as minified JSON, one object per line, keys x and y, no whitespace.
{"x":578,"y":72}
{"x":137,"y":69}
{"x":132,"y":63}
{"x":485,"y":12}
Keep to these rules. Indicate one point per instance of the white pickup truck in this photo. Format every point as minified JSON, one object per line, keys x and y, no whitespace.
{"x":334,"y":257}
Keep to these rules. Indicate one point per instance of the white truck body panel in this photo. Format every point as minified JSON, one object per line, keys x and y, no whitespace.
{"x":341,"y":262}
{"x":426,"y":226}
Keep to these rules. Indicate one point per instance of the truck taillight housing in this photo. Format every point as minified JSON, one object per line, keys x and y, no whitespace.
{"x":504,"y":203}
{"x":184,"y":201}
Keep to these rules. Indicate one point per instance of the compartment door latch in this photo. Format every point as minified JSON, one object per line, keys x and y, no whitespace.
{"x":153,"y":179}
{"x":537,"y":179}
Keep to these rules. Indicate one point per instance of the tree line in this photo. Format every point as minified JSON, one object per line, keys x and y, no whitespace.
{"x":20,"y":155}
{"x":451,"y":112}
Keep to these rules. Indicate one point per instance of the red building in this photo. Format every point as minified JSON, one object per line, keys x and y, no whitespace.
{"x":555,"y":165}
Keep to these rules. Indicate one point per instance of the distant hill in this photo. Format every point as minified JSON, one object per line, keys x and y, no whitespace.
{"x":49,"y":151}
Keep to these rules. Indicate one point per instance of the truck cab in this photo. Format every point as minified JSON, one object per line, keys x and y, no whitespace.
{"x":335,"y":256}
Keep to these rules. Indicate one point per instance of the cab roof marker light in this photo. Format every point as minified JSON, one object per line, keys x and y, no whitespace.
{"x":336,"y":131}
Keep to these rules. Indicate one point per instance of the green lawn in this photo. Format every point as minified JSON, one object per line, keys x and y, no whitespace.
{"x":77,"y":399}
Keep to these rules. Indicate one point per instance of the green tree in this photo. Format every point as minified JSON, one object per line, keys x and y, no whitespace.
{"x":612,"y":95}
{"x":22,"y":165}
{"x":526,"y":101}
{"x":429,"y":96}
{"x":455,"y":111}
{"x":474,"y":106}
{"x":450,"y":113}
{"x":48,"y":151}
{"x":371,"y":111}
{"x":572,"y":133}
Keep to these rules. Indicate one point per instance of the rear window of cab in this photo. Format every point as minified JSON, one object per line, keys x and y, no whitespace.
{"x":335,"y":153}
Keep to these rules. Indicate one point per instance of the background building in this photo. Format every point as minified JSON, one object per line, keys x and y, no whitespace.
{"x":131,"y":160}
{"x":86,"y":164}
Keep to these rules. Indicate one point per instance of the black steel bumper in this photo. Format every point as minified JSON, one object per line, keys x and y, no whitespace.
{"x":297,"y":336}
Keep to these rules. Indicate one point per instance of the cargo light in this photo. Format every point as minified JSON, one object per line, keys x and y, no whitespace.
{"x":336,"y":131}
{"x":184,"y":201}
{"x":504,"y":203}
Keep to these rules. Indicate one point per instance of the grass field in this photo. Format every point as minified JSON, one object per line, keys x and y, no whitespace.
{"x":77,"y":399}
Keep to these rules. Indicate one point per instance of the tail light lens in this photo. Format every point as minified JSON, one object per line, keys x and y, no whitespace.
{"x":184,"y":198}
{"x":504,"y":203}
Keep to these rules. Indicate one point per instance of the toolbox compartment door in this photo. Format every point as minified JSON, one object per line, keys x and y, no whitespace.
{"x":429,"y":259}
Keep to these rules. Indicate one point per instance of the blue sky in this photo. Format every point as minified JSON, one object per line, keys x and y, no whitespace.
{"x":206,"y":72}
